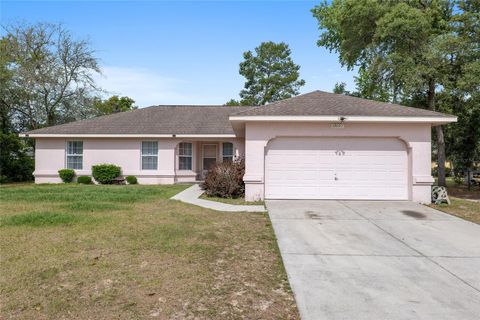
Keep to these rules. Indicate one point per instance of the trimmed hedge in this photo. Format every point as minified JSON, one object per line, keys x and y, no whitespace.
{"x":66,"y":175}
{"x":131,"y":179}
{"x":105,"y":173}
{"x":225,"y":180}
{"x":84,"y":180}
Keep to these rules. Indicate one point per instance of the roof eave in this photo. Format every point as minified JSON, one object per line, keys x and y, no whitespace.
{"x":95,"y":135}
{"x":356,"y":119}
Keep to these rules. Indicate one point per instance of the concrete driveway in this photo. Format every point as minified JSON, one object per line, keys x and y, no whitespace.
{"x":378,"y":260}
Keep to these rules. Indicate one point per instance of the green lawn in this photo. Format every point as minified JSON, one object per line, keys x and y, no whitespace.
{"x":236,"y":201}
{"x":128,"y":252}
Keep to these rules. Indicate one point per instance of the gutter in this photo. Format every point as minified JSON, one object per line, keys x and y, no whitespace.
{"x":358,"y":119}
{"x":88,"y":135}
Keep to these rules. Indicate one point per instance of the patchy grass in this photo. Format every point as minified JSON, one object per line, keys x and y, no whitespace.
{"x":127,"y":252}
{"x":41,"y":219}
{"x":465,"y":209}
{"x":465,"y":203}
{"x":236,"y":201}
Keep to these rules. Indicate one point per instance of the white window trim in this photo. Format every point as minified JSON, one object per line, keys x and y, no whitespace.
{"x":147,"y":155}
{"x":186,"y":156}
{"x":233,"y":150}
{"x":72,"y":154}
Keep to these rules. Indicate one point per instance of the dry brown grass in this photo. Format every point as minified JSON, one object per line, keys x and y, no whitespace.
{"x":131,"y":253}
{"x":465,"y":202}
{"x":465,"y":209}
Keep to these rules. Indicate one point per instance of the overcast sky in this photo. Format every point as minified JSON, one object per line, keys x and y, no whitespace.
{"x":159,"y":52}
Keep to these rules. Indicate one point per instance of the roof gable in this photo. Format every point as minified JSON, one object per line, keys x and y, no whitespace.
{"x":320,"y":103}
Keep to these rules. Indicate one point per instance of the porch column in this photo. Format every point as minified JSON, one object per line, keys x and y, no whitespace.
{"x":255,"y":143}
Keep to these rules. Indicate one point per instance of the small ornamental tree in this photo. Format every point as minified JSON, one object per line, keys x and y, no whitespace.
{"x":105,"y":173}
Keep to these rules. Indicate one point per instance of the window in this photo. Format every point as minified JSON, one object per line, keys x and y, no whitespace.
{"x":75,"y":155}
{"x":149,"y":155}
{"x":227,"y":151}
{"x":185,"y":156}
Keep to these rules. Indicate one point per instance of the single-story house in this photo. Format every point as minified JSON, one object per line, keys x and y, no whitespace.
{"x":317,"y":145}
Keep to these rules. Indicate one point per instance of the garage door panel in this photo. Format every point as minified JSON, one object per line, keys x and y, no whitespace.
{"x":336,"y":168}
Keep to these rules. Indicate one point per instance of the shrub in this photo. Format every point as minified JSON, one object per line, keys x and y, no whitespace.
{"x":66,"y":175}
{"x":105,"y":173}
{"x":458,"y":179}
{"x":16,"y":161}
{"x":225,"y":180}
{"x":84,"y":180}
{"x":131,"y":179}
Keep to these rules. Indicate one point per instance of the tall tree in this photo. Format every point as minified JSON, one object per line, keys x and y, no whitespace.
{"x":341,"y":88}
{"x":403,"y":45}
{"x":113,"y":104}
{"x":270,"y":74}
{"x":52,"y":74}
{"x":16,"y":163}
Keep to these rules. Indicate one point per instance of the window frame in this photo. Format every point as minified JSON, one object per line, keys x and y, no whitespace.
{"x":185,"y":155}
{"x":67,"y":154}
{"x":232,"y":156}
{"x":148,"y":155}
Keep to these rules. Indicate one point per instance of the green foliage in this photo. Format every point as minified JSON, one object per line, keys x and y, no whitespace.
{"x":225,"y":179}
{"x":113,"y":105}
{"x":458,"y":179}
{"x":84,"y":180}
{"x":16,"y":163}
{"x":232,"y":102}
{"x":43,"y":219}
{"x":411,"y":49}
{"x":270,"y":74}
{"x":105,"y":173}
{"x":66,"y":175}
{"x":51,"y":72}
{"x":131,"y":179}
{"x":340,"y":88}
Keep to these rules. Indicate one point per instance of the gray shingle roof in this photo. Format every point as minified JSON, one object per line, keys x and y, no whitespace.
{"x":319,"y":103}
{"x":154,"y":120}
{"x":215,"y":119}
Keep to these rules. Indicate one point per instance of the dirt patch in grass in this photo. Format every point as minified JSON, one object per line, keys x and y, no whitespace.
{"x":235,"y":201}
{"x":144,"y":257}
{"x":461,"y":190}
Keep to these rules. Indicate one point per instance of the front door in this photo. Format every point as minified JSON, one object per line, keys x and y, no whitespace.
{"x":209,"y":157}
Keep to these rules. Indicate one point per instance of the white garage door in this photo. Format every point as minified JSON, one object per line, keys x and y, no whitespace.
{"x":336,"y":168}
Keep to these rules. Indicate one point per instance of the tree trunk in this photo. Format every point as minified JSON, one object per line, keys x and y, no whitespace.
{"x":441,"y":156}
{"x":50,"y":119}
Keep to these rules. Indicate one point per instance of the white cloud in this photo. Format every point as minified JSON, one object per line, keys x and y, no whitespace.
{"x":144,"y":86}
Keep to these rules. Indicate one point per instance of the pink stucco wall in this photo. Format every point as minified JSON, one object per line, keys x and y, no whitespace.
{"x":415,"y":136}
{"x":50,"y":153}
{"x":50,"y":157}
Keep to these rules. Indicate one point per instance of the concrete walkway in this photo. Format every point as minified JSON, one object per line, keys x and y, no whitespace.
{"x":191,"y":195}
{"x":377,"y":260}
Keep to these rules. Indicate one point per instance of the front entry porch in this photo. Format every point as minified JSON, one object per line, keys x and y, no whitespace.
{"x":193,"y":158}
